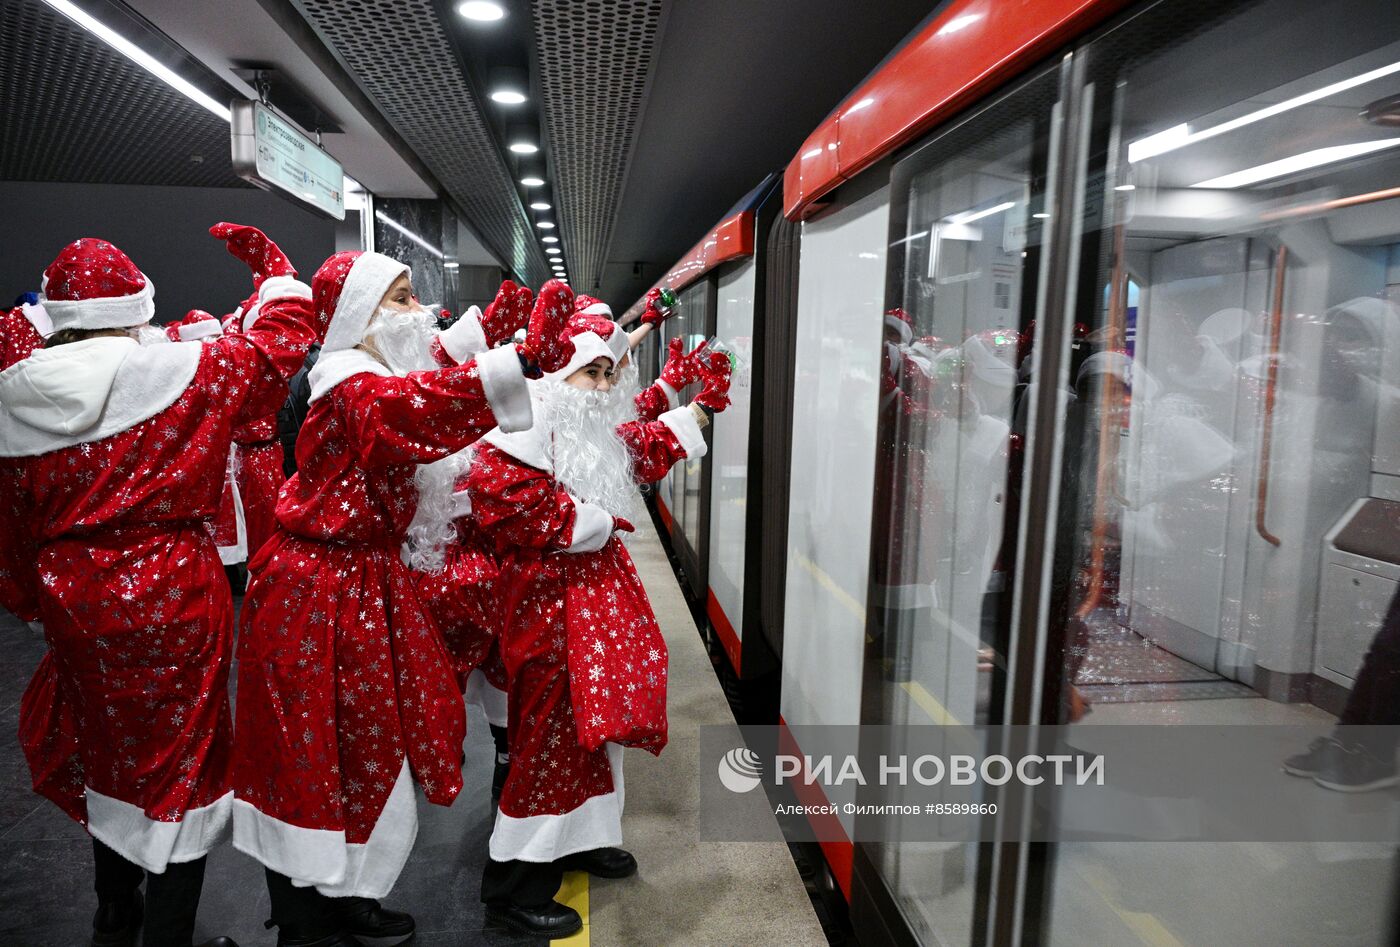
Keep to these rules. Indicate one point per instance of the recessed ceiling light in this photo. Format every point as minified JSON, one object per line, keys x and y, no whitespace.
{"x":524,"y":147}
{"x":545,"y":225}
{"x":541,"y":205}
{"x":532,"y":181}
{"x":508,"y":97}
{"x":550,"y":239}
{"x":553,"y":251}
{"x":481,"y":11}
{"x":1126,"y":187}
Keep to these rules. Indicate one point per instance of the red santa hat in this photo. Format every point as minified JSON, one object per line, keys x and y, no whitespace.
{"x":93,"y":285}
{"x":197,"y":324}
{"x":594,"y":336}
{"x":346,"y":291}
{"x":899,"y":320}
{"x":588,"y":305}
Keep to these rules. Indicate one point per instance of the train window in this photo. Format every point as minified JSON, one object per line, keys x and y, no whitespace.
{"x":1233,"y":415}
{"x":968,"y":212}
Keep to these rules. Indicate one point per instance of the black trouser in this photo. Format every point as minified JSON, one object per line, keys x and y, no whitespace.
{"x":172,"y":896}
{"x":529,"y":884}
{"x":300,"y":912}
{"x":1375,"y":698}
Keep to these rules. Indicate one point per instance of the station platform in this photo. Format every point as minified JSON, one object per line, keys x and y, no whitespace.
{"x":687,"y":891}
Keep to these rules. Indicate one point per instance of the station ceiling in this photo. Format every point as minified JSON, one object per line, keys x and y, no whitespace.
{"x":653,"y":116}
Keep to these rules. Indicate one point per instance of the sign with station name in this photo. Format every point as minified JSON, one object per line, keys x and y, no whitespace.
{"x":273,"y":154}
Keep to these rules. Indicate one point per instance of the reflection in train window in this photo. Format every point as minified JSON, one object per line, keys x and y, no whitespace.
{"x":955,"y":380}
{"x":1232,"y":411}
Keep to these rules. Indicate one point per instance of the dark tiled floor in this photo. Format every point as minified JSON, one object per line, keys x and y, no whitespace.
{"x":46,"y":897}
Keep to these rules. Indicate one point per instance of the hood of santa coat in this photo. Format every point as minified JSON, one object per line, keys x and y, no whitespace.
{"x":64,"y":390}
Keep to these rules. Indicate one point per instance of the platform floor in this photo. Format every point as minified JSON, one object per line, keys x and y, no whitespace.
{"x":688,"y":891}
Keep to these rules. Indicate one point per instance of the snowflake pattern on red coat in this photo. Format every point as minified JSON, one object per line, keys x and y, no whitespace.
{"x":585,"y":661}
{"x":259,"y":467}
{"x":132,"y":700}
{"x":342,"y":671}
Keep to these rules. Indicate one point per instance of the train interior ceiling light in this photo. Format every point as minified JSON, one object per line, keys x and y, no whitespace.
{"x":1179,"y":136}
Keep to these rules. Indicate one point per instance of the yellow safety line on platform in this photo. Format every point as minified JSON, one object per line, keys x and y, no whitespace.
{"x":930,"y":704}
{"x":1148,"y":928}
{"x":846,"y":599}
{"x":573,"y":892}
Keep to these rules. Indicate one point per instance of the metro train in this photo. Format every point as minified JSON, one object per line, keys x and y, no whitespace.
{"x":1067,"y":389}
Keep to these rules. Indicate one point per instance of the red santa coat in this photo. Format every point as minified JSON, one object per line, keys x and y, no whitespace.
{"x":126,"y":723}
{"x":346,"y":693}
{"x":257,"y":464}
{"x":585,"y":660}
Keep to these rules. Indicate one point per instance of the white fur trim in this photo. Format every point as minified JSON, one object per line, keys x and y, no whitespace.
{"x":906,"y":334}
{"x":596,"y":823}
{"x":369,"y":279}
{"x":593,"y":527}
{"x":230,"y":555}
{"x":491,"y":699}
{"x":110,"y":312}
{"x":461,"y":504}
{"x":673,"y":397}
{"x":682,"y":423}
{"x":618,"y":344}
{"x":147,"y":379}
{"x":526,"y":446}
{"x":598,"y":309}
{"x":203,"y":329}
{"x":38,"y":318}
{"x":588,"y":346}
{"x":274,"y":287}
{"x":505,"y":387}
{"x":128,"y":831}
{"x":465,"y":337}
{"x":334,"y":367}
{"x":322,"y":857}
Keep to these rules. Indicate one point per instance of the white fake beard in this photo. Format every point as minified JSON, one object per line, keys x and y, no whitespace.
{"x":403,"y":339}
{"x":432,"y":527}
{"x":590,"y":460}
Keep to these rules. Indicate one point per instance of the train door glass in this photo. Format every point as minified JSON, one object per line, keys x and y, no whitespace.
{"x":967,"y":239}
{"x":694,"y":313}
{"x":1233,"y":418}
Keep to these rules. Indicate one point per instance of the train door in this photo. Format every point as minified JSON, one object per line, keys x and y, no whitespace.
{"x":685,"y":491}
{"x":967,"y":237}
{"x":1224,"y":446}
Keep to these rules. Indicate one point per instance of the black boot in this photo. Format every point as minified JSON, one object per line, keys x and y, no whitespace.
{"x":602,"y":863}
{"x":118,"y":922}
{"x":304,"y":917}
{"x":366,"y":917}
{"x":502,"y":770}
{"x":117,"y":881}
{"x":551,"y":920}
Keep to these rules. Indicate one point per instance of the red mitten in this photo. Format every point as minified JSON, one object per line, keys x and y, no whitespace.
{"x":544,"y":343}
{"x":657,"y":308}
{"x":682,"y":369}
{"x":621,"y":525}
{"x":253,"y":247}
{"x":715,"y":394}
{"x":510,"y":310}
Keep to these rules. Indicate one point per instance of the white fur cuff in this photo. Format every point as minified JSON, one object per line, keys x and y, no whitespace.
{"x":593,"y":527}
{"x":673,"y":398}
{"x":505,"y":388}
{"x":465,"y":337}
{"x":275,"y":287}
{"x":682,"y":423}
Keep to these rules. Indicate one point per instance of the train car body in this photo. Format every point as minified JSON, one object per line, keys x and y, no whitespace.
{"x":1068,"y":380}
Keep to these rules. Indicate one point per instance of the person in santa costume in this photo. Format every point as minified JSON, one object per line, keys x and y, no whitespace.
{"x":585,"y":660}
{"x":346,"y":693}
{"x":228,"y":528}
{"x":112,"y":457}
{"x":457,"y":566}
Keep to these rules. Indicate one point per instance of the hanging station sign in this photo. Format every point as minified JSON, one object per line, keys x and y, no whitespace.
{"x":275,"y":155}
